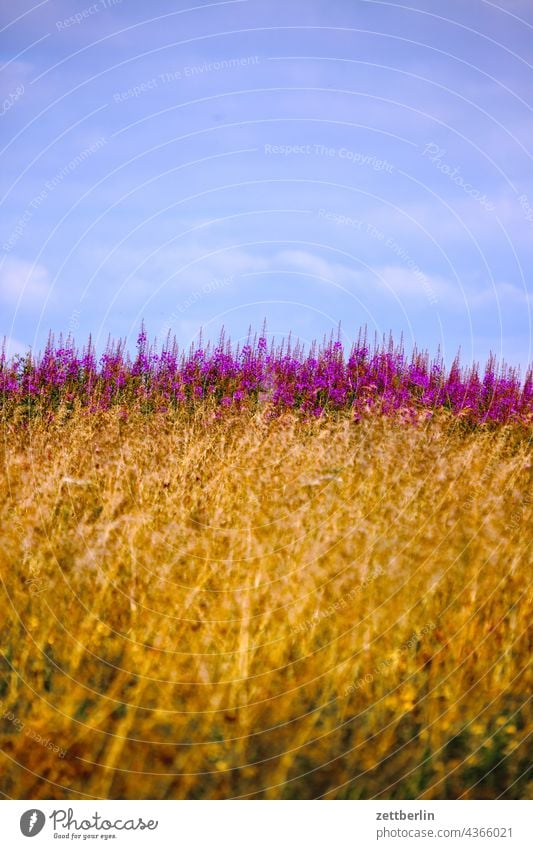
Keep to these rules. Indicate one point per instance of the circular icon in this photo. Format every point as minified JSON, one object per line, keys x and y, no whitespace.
{"x":32,"y":822}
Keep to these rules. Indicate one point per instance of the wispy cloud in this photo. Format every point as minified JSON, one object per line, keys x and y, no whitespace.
{"x":20,"y":279}
{"x":13,"y":346}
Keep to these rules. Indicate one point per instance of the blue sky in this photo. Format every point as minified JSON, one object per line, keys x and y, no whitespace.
{"x":208,"y":164}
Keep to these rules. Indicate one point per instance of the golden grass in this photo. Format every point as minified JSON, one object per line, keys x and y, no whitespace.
{"x":267,"y":609}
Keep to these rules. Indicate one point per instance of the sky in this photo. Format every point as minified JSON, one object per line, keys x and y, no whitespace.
{"x":206,"y":164}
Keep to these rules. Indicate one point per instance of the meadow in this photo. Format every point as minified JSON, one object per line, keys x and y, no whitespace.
{"x":311,"y":578}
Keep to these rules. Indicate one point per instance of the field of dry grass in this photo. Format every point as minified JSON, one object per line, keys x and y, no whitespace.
{"x":199,"y":608}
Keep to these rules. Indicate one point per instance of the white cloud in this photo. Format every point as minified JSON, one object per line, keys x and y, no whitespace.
{"x":175,"y":269}
{"x":406,"y":282}
{"x":399,"y":280}
{"x":452,"y":294}
{"x":503,"y":293}
{"x":15,"y":73}
{"x":21,"y":279}
{"x":180,"y":272}
{"x":13,"y":346}
{"x":316,"y":266}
